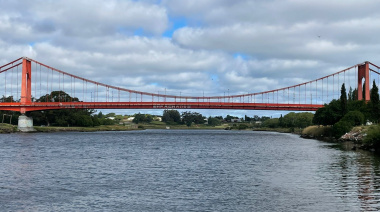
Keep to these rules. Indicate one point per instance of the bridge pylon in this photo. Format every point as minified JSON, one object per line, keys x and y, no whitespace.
{"x":363,"y":72}
{"x":25,"y":124}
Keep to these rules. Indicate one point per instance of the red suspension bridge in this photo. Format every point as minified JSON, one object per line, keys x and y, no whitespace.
{"x":27,"y":81}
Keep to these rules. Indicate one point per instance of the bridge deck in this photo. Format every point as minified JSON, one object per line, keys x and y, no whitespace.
{"x":16,"y":106}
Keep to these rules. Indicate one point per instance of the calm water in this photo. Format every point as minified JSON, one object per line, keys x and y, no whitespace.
{"x":170,"y":170}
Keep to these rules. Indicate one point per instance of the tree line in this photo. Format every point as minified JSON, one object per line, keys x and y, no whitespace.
{"x":346,"y":112}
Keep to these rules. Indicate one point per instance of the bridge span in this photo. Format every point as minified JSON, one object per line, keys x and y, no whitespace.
{"x":30,"y":85}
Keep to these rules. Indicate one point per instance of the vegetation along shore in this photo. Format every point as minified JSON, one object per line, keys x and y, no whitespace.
{"x":343,"y":119}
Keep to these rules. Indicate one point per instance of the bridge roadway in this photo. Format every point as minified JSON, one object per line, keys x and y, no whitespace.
{"x":33,"y":106}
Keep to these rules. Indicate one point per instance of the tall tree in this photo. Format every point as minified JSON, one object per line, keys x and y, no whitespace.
{"x":375,"y":102}
{"x":343,"y":99}
{"x":350,"y":95}
{"x":171,"y":116}
{"x":355,"y":94}
{"x":363,"y":90}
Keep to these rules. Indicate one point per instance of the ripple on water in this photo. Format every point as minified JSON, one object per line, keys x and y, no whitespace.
{"x":176,"y":170}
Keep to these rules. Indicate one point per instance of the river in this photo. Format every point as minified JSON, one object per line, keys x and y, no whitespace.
{"x":183,"y":170}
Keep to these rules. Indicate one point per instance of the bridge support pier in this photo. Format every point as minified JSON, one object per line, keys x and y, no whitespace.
{"x":25,"y":124}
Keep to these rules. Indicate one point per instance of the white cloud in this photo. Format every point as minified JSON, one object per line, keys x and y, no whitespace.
{"x":236,"y":46}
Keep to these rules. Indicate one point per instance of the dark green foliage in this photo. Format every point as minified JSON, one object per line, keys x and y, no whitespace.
{"x":83,"y":121}
{"x":9,"y":117}
{"x":343,"y":100}
{"x":343,"y":114}
{"x":189,"y":117}
{"x":243,"y":126}
{"x":213,"y":121}
{"x":355,"y":94}
{"x":8,"y":99}
{"x":110,"y":115}
{"x":373,"y":137}
{"x":171,"y":116}
{"x":281,"y":121}
{"x":228,"y":118}
{"x":271,"y":123}
{"x":142,"y":118}
{"x":299,"y":120}
{"x":355,"y":118}
{"x":63,"y":117}
{"x":105,"y":121}
{"x":363,"y":91}
{"x":95,"y":121}
{"x":328,"y":115}
{"x":57,"y":96}
{"x":374,"y":104}
{"x":340,"y":128}
{"x":350,"y":95}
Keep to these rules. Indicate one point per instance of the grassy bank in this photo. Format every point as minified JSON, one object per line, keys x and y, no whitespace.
{"x":8,"y":128}
{"x":86,"y":129}
{"x":280,"y":130}
{"x":317,"y":132}
{"x":162,"y":125}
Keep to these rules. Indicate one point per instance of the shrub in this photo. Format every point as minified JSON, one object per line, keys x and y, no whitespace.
{"x":373,"y":137}
{"x":317,"y":131}
{"x":341,"y":127}
{"x":242,"y":126}
{"x":355,"y":118}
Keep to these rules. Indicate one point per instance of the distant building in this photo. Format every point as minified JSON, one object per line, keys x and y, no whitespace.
{"x":236,"y":120}
{"x":130,"y":118}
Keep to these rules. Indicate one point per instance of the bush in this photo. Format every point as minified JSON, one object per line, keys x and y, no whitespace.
{"x":242,"y":126}
{"x":341,"y":127}
{"x":373,"y":137}
{"x":271,"y":123}
{"x":317,"y":131}
{"x":355,"y":118}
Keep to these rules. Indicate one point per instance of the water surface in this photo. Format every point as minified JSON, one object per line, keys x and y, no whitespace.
{"x":178,"y":170}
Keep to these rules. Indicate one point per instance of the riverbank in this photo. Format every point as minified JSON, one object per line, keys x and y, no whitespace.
{"x":8,"y":128}
{"x":87,"y":129}
{"x":355,"y":139}
{"x":297,"y":131}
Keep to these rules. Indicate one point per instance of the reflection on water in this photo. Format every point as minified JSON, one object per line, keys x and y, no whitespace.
{"x":358,"y":175}
{"x":175,"y":170}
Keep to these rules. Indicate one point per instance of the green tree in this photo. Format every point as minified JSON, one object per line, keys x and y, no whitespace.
{"x":329,"y":114}
{"x":375,"y":102}
{"x":228,"y":118}
{"x":281,"y":121}
{"x":271,"y":123}
{"x":355,"y":94}
{"x":340,"y":128}
{"x":355,"y":118}
{"x":304,"y":120}
{"x":343,"y":100}
{"x":189,"y":117}
{"x":373,"y":137}
{"x":62,"y":117}
{"x":350,"y":95}
{"x":213,"y":121}
{"x":95,"y":120}
{"x":171,"y":116}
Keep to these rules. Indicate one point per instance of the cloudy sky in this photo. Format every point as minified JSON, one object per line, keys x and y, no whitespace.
{"x":193,"y":46}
